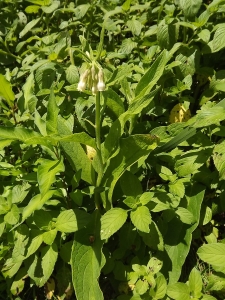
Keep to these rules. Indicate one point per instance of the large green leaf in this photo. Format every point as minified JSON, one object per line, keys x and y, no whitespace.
{"x":36,"y":203}
{"x":141,"y":218}
{"x":213,"y":254}
{"x":132,"y":149}
{"x":176,"y":247}
{"x":151,"y":77}
{"x":72,"y":220}
{"x":6,"y":90}
{"x":46,"y":173}
{"x":27,"y":136}
{"x":75,"y":153}
{"x":112,"y":221}
{"x":178,"y":291}
{"x":87,"y":261}
{"x":190,"y":7}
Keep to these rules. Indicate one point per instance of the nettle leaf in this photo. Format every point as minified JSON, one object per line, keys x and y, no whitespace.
{"x":190,"y":7}
{"x":141,"y":286}
{"x":49,"y":255}
{"x":46,"y":173}
{"x":160,"y":288}
{"x":178,"y":291}
{"x":112,"y":221}
{"x":12,"y":217}
{"x":72,"y":74}
{"x":72,"y":220}
{"x":141,"y":218}
{"x":153,"y":239}
{"x":6,"y":90}
{"x":87,"y":260}
{"x":218,"y":41}
{"x":135,"y":26}
{"x":185,"y":215}
{"x":177,"y":188}
{"x":195,"y":283}
{"x":127,"y":46}
{"x":213,"y":254}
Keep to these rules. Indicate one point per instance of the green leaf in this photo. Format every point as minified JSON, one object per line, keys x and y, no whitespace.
{"x":195,"y":283}
{"x":6,"y":90}
{"x":190,"y":7}
{"x":76,"y":154}
{"x":218,"y":41}
{"x":81,"y":10}
{"x":127,"y":46}
{"x":141,"y":218}
{"x":178,"y":291}
{"x":153,"y":239}
{"x":141,"y":286}
{"x":135,"y":26}
{"x":22,"y":134}
{"x":35,"y":243}
{"x":213,"y":254}
{"x":177,"y":188}
{"x":19,"y":192}
{"x":72,"y":220}
{"x":12,"y":217}
{"x":72,"y":74}
{"x":51,"y":8}
{"x":176,"y":248}
{"x":185,"y":215}
{"x":32,"y":9}
{"x":87,"y":261}
{"x":151,"y":77}
{"x":130,"y":184}
{"x":132,"y":149}
{"x":49,"y":236}
{"x":46,"y":173}
{"x":36,"y":203}
{"x":159,"y":290}
{"x":29,"y":26}
{"x":52,"y":114}
{"x":49,"y":255}
{"x":166,"y":35}
{"x":112,"y":221}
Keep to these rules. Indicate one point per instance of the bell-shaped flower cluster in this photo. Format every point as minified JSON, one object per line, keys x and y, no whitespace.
{"x":93,"y":77}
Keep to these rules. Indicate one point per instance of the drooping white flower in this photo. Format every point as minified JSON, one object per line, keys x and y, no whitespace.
{"x":83,"y":81}
{"x":101,"y":83}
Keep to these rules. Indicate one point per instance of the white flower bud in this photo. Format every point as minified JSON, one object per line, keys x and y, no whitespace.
{"x":101,"y":86}
{"x":83,"y":81}
{"x":81,"y":86}
{"x":94,"y":89}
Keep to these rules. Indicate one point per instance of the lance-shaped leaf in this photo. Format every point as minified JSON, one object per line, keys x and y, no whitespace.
{"x":46,"y":173}
{"x":87,"y":261}
{"x":52,"y":114}
{"x":6,"y":90}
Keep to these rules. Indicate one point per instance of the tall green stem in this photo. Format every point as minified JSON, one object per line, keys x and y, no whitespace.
{"x":98,"y":143}
{"x":98,"y":121}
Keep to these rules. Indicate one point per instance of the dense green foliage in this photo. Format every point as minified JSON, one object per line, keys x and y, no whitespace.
{"x":119,"y":193}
